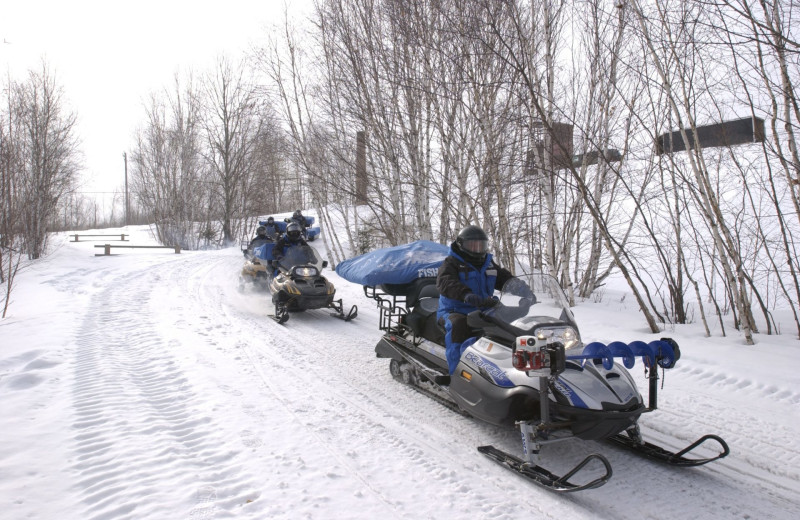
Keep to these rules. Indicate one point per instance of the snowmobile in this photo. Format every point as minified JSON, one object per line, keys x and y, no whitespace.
{"x":256,"y":266}
{"x":526,"y":366}
{"x":297,"y":284}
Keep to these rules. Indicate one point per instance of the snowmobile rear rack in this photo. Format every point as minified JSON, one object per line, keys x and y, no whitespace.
{"x":543,"y":477}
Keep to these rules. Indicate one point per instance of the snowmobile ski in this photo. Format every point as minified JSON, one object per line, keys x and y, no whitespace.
{"x":281,"y":313}
{"x":337,"y":306}
{"x":543,"y":477}
{"x":658,"y":453}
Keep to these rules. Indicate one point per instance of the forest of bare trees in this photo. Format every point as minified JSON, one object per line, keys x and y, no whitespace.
{"x":538,"y":121}
{"x":208,"y":157}
{"x":541,"y":121}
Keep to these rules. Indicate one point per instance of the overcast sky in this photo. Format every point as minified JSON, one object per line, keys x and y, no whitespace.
{"x":109,"y":55}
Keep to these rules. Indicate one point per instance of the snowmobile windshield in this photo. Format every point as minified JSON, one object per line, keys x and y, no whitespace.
{"x":535,"y":304}
{"x":301,"y":256}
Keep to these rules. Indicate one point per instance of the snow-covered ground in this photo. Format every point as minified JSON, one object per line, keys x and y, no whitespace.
{"x":144,"y":385}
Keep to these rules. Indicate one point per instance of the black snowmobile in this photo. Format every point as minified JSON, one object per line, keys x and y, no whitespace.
{"x":297,"y":285}
{"x":528,"y":367}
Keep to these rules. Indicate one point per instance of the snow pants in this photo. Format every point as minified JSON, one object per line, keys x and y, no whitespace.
{"x":456,"y":338}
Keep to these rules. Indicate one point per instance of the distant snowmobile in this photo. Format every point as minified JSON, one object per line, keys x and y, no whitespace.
{"x":298,"y":285}
{"x":527,"y":366}
{"x":257,"y":265}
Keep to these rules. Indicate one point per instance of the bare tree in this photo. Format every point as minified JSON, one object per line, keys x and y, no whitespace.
{"x":11,"y":240}
{"x":44,"y":129}
{"x":232,"y":130}
{"x":167,"y":169}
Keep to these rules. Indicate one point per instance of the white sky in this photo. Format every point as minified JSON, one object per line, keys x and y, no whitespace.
{"x":108,"y":56}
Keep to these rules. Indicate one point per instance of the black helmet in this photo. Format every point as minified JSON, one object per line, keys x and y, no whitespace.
{"x":473,"y":244}
{"x":293,"y":231}
{"x":270,"y":220}
{"x":261,"y":231}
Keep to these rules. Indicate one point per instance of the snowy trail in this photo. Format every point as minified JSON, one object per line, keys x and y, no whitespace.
{"x":185,"y":400}
{"x":374,"y":429}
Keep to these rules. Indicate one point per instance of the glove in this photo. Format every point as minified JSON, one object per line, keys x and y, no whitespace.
{"x":490,"y":302}
{"x":473,"y":300}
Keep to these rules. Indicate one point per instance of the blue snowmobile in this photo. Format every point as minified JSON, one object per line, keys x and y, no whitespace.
{"x":526,"y":366}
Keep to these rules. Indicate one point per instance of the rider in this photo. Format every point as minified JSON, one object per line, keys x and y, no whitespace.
{"x":292,"y":238}
{"x":259,"y":239}
{"x":272,"y":228}
{"x":298,"y":216}
{"x":466,"y":282}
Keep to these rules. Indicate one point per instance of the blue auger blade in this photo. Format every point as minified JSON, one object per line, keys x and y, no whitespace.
{"x":599,"y":350}
{"x":620,"y":349}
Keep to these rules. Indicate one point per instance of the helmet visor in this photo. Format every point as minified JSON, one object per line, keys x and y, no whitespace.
{"x":293,"y":235}
{"x":477,"y":247}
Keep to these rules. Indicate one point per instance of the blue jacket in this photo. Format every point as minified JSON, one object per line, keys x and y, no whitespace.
{"x":457,"y":278}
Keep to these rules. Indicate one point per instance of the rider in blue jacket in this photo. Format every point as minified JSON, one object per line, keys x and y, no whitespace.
{"x":466,"y":282}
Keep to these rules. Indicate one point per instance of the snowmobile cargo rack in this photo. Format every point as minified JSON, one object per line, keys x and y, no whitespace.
{"x":107,"y":248}
{"x":394,"y":300}
{"x":79,"y":236}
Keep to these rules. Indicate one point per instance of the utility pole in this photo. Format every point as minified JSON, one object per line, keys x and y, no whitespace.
{"x":127,"y":205}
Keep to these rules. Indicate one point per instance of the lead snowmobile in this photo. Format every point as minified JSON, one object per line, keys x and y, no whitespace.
{"x":297,"y":285}
{"x":520,"y":354}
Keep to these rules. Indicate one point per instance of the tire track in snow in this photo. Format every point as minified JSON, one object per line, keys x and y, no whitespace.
{"x":765,"y":451}
{"x":199,"y":284}
{"x":140,"y":432}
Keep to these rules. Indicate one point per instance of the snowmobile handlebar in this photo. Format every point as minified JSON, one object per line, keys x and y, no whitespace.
{"x":500,"y":316}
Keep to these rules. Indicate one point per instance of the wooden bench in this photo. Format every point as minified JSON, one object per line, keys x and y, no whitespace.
{"x":107,"y":248}
{"x":77,"y":236}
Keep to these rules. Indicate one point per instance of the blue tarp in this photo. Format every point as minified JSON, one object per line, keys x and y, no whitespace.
{"x":264,"y":252}
{"x":394,"y":265}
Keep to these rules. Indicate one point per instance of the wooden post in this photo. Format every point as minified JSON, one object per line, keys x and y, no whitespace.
{"x":107,"y":250}
{"x":177,"y":250}
{"x":361,"y":167}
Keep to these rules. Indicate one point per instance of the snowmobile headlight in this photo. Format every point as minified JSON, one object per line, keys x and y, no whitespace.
{"x":565,"y":335}
{"x":306,"y":271}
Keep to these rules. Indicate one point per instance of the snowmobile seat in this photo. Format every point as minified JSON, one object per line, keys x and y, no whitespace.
{"x":422,"y":318}
{"x":412,"y":291}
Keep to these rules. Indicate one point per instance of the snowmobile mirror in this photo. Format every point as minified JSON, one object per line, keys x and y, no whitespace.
{"x":324,"y":264}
